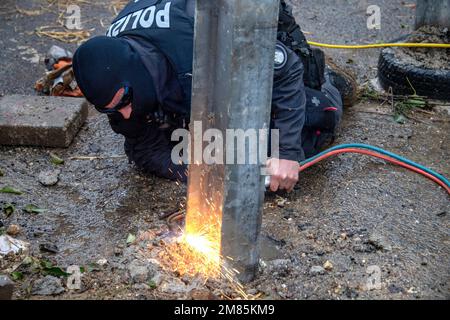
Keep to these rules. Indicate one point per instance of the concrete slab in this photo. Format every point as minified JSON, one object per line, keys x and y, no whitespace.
{"x":41,"y":121}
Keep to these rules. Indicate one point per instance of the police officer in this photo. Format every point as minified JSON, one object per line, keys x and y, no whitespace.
{"x":140,"y":75}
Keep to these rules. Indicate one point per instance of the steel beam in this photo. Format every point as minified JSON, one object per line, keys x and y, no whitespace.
{"x":232,"y":89}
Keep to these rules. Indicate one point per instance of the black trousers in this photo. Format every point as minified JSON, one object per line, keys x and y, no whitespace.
{"x":323,"y":115}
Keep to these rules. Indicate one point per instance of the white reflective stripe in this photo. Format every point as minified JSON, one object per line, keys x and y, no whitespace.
{"x":143,"y":18}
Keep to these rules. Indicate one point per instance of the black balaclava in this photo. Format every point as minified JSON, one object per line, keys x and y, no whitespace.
{"x":103,"y":65}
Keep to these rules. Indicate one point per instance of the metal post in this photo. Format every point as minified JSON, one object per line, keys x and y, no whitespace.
{"x":433,"y":13}
{"x":232,"y":89}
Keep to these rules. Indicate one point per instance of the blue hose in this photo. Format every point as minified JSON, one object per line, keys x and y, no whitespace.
{"x":382,"y":151}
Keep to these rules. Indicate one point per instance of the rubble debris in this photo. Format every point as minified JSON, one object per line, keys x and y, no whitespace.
{"x":141,"y":271}
{"x":316,"y":270}
{"x":394,"y":289}
{"x":174,"y":286}
{"x":379,"y":242}
{"x":48,"y":286}
{"x":10,"y":245}
{"x":48,"y":247}
{"x":55,"y":54}
{"x":118,"y":251}
{"x":202,"y":294}
{"x":6,"y":288}
{"x":13,"y":230}
{"x":281,"y":202}
{"x":140,"y":286}
{"x":102,"y":262}
{"x":442,"y":214}
{"x":156,"y":280}
{"x":350,"y":293}
{"x":49,"y":178}
{"x":344,"y":236}
{"x":328,"y":265}
{"x":280,"y":267}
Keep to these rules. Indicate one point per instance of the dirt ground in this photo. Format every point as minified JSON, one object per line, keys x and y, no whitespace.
{"x":350,"y":220}
{"x":429,"y":59}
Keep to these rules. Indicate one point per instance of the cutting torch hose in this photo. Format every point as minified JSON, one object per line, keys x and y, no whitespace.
{"x":381,"y":154}
{"x":381,"y":45}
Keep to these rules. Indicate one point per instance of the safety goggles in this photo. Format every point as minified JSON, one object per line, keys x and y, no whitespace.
{"x":126,"y":99}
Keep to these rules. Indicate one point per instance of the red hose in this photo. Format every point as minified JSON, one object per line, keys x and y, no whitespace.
{"x":374,"y":154}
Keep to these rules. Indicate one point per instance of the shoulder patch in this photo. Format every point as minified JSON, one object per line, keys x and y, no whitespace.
{"x":280,"y":57}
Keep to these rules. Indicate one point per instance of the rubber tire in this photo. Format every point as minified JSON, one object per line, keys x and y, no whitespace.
{"x":431,"y":83}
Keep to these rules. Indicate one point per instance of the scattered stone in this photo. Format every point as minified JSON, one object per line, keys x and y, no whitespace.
{"x":6,"y":288}
{"x":442,"y":109}
{"x":412,"y":290}
{"x":95,"y":148}
{"x":304,"y":226}
{"x":13,"y":230}
{"x":328,"y":265}
{"x":423,"y":261}
{"x":288,"y":214}
{"x":141,"y":271}
{"x":49,"y":178}
{"x":175,"y":286}
{"x":202,"y":294}
{"x":280,"y":267}
{"x":281,"y":202}
{"x":262,"y":264}
{"x":320,"y":253}
{"x":280,"y":263}
{"x":351,"y":293}
{"x":40,"y":120}
{"x":316,"y":270}
{"x":48,"y":247}
{"x":278,"y":242}
{"x":118,"y":251}
{"x":48,"y":286}
{"x":252,"y":292}
{"x":362,"y":248}
{"x":395,"y":289}
{"x":157,"y":279}
{"x":186,"y":279}
{"x":379,"y":242}
{"x":140,"y":286}
{"x":102,"y":262}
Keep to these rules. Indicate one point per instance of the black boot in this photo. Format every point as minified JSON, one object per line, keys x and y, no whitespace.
{"x":344,"y":81}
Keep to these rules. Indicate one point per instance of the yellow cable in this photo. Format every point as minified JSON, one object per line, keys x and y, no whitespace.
{"x":380,"y":45}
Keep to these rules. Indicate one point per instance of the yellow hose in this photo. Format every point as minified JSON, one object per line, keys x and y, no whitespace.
{"x":380,"y":45}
